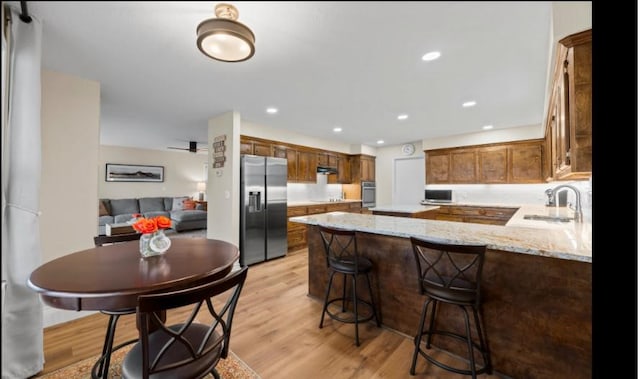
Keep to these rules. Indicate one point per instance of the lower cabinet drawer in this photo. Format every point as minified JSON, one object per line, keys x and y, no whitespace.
{"x":297,"y":239}
{"x":291,"y":226}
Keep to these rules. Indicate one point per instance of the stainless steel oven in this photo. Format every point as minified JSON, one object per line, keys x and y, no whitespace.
{"x":368,"y":194}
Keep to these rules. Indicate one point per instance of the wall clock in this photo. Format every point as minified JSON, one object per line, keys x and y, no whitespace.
{"x":408,"y":149}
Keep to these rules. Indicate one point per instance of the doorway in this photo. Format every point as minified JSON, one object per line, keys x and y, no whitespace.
{"x":408,"y":181}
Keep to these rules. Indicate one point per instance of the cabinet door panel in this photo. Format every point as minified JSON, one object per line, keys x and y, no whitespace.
{"x":262,"y":149}
{"x":463,"y":167}
{"x":526,"y":164}
{"x":437,"y":168}
{"x":493,"y":165}
{"x":292,"y":165}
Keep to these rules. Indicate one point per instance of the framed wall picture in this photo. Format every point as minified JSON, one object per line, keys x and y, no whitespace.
{"x":133,"y":173}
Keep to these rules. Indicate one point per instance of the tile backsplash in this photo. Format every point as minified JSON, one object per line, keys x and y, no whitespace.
{"x":313,"y":191}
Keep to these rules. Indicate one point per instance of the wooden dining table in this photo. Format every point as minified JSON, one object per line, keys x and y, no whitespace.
{"x":112,"y":277}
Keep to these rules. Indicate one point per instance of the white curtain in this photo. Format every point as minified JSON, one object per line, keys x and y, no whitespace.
{"x":22,"y":338}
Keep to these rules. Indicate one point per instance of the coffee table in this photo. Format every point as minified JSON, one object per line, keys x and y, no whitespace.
{"x":117,"y":229}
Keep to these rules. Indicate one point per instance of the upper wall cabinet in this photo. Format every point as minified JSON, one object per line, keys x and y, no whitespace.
{"x":363,"y":168}
{"x":569,"y":125}
{"x":513,"y":162}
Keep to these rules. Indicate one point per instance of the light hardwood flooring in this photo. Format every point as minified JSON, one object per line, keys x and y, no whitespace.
{"x":275,"y":331}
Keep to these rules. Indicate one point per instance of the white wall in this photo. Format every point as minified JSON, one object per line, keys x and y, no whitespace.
{"x":313,"y":191}
{"x":484,"y":137}
{"x":223,"y":185}
{"x":182,"y":171}
{"x":70,"y":140}
{"x":69,"y":190}
{"x":384,"y":170}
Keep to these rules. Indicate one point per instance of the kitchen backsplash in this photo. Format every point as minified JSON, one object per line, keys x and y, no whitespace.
{"x":513,"y":193}
{"x":313,"y":191}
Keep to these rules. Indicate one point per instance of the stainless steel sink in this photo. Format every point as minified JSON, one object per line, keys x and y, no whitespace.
{"x":548,"y":218}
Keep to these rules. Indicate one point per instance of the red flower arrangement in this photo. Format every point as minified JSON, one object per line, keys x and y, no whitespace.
{"x":150,"y":225}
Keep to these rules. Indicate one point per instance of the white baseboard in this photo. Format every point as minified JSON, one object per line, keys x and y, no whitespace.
{"x":54,"y":316}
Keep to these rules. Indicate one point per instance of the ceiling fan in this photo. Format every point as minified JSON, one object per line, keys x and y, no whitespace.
{"x":193,"y":147}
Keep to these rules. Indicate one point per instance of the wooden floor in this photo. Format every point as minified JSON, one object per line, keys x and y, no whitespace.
{"x":275,"y":331}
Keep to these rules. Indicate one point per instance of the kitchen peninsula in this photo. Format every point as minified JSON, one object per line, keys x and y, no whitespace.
{"x":536,"y":284}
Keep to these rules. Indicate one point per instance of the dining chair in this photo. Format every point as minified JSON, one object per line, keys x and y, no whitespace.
{"x":192,"y":348}
{"x":114,"y":315}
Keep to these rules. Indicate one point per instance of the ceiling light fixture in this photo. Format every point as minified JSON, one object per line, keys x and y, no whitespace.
{"x":337,"y":130}
{"x":225,"y":39}
{"x":380,"y":142}
{"x":272,"y":110}
{"x":431,"y":56}
{"x":403,"y":117}
{"x":468,"y":104}
{"x":487,"y":127}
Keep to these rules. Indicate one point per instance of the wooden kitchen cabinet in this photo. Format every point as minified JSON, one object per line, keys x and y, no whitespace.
{"x":292,"y":165}
{"x":437,"y":167}
{"x":307,"y":166}
{"x":279,"y":151}
{"x":254,"y":147}
{"x":525,"y":163}
{"x":296,"y":232}
{"x":344,"y":172}
{"x":513,"y":162}
{"x":493,"y":164}
{"x":463,"y":167}
{"x":569,"y":121}
{"x":363,"y":168}
{"x":473,"y":214}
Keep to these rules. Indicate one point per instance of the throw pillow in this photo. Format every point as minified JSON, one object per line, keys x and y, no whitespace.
{"x":188,"y":205}
{"x":102,"y":209}
{"x":178,"y":203}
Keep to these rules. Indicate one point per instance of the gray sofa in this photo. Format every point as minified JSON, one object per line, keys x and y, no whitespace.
{"x":121,"y":211}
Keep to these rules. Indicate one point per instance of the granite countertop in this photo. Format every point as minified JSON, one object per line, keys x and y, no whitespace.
{"x":471,"y":204}
{"x":568,"y":240}
{"x":404,"y":208}
{"x":317,"y":202}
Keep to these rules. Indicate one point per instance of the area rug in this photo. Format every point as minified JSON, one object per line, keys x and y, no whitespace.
{"x":230,"y":368}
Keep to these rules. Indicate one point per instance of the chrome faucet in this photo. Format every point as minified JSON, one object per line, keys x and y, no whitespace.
{"x":551,"y":198}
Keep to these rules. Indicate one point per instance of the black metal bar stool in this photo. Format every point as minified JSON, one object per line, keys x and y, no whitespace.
{"x":451,"y":274}
{"x":341,"y":251}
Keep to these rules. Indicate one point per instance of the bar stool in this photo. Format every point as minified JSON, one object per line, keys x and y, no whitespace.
{"x":450,"y":275}
{"x":341,"y":252}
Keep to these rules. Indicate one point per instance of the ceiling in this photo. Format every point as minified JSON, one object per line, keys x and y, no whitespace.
{"x":356,"y":65}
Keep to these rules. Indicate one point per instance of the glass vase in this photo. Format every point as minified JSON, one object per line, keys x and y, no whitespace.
{"x":152,"y":244}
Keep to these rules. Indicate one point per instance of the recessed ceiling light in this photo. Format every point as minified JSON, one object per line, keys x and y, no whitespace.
{"x":403,"y":117}
{"x":467,"y":104}
{"x":380,"y":142}
{"x":272,"y":110}
{"x":487,"y":127}
{"x":431,"y":56}
{"x":337,"y":130}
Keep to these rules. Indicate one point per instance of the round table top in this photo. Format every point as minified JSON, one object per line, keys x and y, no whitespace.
{"x":111,"y":277}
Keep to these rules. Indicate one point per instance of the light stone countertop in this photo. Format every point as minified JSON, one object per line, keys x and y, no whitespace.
{"x":569,"y":240}
{"x":317,"y":202}
{"x":404,"y":208}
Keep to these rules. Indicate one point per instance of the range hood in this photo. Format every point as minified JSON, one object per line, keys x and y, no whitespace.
{"x":326,"y":170}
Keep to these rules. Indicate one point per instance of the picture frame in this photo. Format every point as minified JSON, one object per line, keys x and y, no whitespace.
{"x":133,"y":173}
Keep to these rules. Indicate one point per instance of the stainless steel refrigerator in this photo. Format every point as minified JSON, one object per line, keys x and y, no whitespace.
{"x":263,"y":208}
